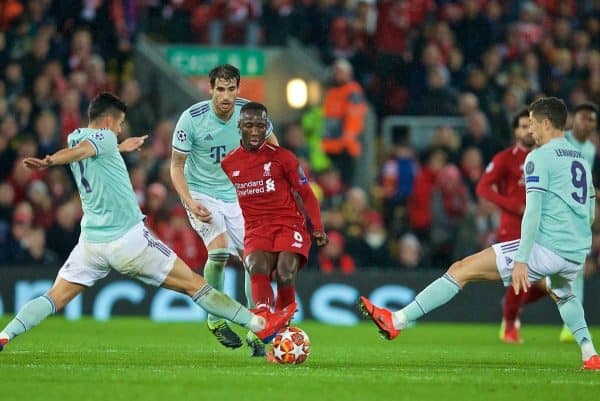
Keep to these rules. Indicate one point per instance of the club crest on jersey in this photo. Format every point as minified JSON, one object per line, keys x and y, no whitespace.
{"x":529,"y":167}
{"x":267,"y":169}
{"x":98,"y":135}
{"x":181,"y":135}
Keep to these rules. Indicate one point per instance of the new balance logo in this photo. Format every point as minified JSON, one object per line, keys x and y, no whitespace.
{"x":208,"y":137}
{"x":270,"y":184}
{"x":508,"y":260}
{"x":236,"y":173}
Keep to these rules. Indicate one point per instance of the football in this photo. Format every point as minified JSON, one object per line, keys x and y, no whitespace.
{"x":291,"y":346}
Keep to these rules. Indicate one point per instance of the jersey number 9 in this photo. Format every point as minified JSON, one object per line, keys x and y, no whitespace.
{"x":579,"y":181}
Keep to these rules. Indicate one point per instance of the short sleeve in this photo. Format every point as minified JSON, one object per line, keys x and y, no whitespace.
{"x":182,"y":136}
{"x":536,"y":172}
{"x":104,"y":141}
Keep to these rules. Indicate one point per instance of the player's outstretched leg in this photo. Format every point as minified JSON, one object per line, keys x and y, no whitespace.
{"x":478,"y":267}
{"x":565,"y":334}
{"x":38,"y":309}
{"x":214,"y":275}
{"x":262,"y":322}
{"x":28,"y":317}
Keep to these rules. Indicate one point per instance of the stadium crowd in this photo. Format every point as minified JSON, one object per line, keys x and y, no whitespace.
{"x":481,"y":60}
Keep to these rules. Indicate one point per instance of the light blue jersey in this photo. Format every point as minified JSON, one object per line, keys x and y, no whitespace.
{"x":110,"y":207}
{"x":587,"y":148}
{"x":206,"y":139}
{"x":560,"y":172}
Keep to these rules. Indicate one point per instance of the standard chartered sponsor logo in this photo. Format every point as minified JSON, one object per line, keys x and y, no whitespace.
{"x":255,"y":187}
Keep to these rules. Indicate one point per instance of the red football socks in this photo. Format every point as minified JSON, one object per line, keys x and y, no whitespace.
{"x":262,"y":292}
{"x":285,"y":296}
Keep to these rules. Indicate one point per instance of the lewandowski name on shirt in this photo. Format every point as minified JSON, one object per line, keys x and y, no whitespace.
{"x":568,"y":153}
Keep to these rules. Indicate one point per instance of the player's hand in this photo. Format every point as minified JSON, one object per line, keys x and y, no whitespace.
{"x":133,"y":143}
{"x":520,"y":278}
{"x":37,"y":164}
{"x":201,"y":213}
{"x":320,"y":238}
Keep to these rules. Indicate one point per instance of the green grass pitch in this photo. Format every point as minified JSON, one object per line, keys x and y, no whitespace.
{"x":138,"y":360}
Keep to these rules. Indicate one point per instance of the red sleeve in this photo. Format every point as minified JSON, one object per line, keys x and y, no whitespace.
{"x":493,"y":175}
{"x":299,"y":183}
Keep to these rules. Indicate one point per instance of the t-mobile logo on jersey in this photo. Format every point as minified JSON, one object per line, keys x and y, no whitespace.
{"x":270,"y":183}
{"x":217,"y":153}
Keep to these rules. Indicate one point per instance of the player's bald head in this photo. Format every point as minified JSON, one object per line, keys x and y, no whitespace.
{"x":253,"y":110}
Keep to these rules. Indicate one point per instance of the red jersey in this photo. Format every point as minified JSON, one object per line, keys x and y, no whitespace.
{"x":502,"y":183}
{"x":265,"y":181}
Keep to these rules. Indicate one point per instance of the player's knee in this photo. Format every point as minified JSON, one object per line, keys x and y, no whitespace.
{"x":286,"y":275}
{"x":459,"y":272}
{"x":562,"y":297}
{"x":218,"y":257}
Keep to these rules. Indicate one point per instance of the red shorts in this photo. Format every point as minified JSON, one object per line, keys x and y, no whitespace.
{"x":277,"y":238}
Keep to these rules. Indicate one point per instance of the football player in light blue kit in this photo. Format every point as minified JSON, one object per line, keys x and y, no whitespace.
{"x":585,"y":123}
{"x":113,"y":234}
{"x":555,"y":236}
{"x":204,"y":134}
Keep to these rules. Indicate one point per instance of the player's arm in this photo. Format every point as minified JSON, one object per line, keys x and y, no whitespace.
{"x":486,"y":187}
{"x":132,"y":144}
{"x":180,"y":184}
{"x":536,"y":174}
{"x":182,"y":145}
{"x":82,"y":151}
{"x":299,"y":184}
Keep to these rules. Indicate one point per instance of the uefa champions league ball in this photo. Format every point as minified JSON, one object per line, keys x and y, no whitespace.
{"x":291,"y":346}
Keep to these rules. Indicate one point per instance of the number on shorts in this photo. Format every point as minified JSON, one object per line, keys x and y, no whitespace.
{"x":579,"y":181}
{"x":298,"y":237}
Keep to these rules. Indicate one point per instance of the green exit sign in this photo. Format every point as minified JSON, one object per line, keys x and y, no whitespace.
{"x":193,"y":60}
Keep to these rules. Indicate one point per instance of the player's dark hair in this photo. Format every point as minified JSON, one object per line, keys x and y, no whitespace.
{"x":588,"y":106}
{"x":518,"y":116}
{"x":104,"y":103}
{"x":552,"y":108}
{"x":226,"y":72}
{"x":254,"y":106}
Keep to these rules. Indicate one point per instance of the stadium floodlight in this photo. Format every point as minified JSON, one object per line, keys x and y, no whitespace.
{"x":297,"y":93}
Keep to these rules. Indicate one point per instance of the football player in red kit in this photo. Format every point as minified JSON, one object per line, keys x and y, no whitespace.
{"x":277,"y":241}
{"x":503,"y":184}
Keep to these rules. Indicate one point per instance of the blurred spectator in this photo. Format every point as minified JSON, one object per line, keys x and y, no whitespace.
{"x":344,"y":110}
{"x":139,"y":112}
{"x":449,"y":206}
{"x":419,"y":202}
{"x":184,"y":241}
{"x":409,"y":253}
{"x":32,"y":250}
{"x":64,"y":233}
{"x":397,"y":178}
{"x":438,"y":98}
{"x":46,"y":131}
{"x":235,"y":19}
{"x":40,"y":200}
{"x":370,"y":249}
{"x":155,"y":207}
{"x":333,"y":256}
{"x":478,"y":135}
{"x":331,"y":183}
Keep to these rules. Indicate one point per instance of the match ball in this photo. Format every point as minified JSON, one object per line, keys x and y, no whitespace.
{"x":291,"y":346}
